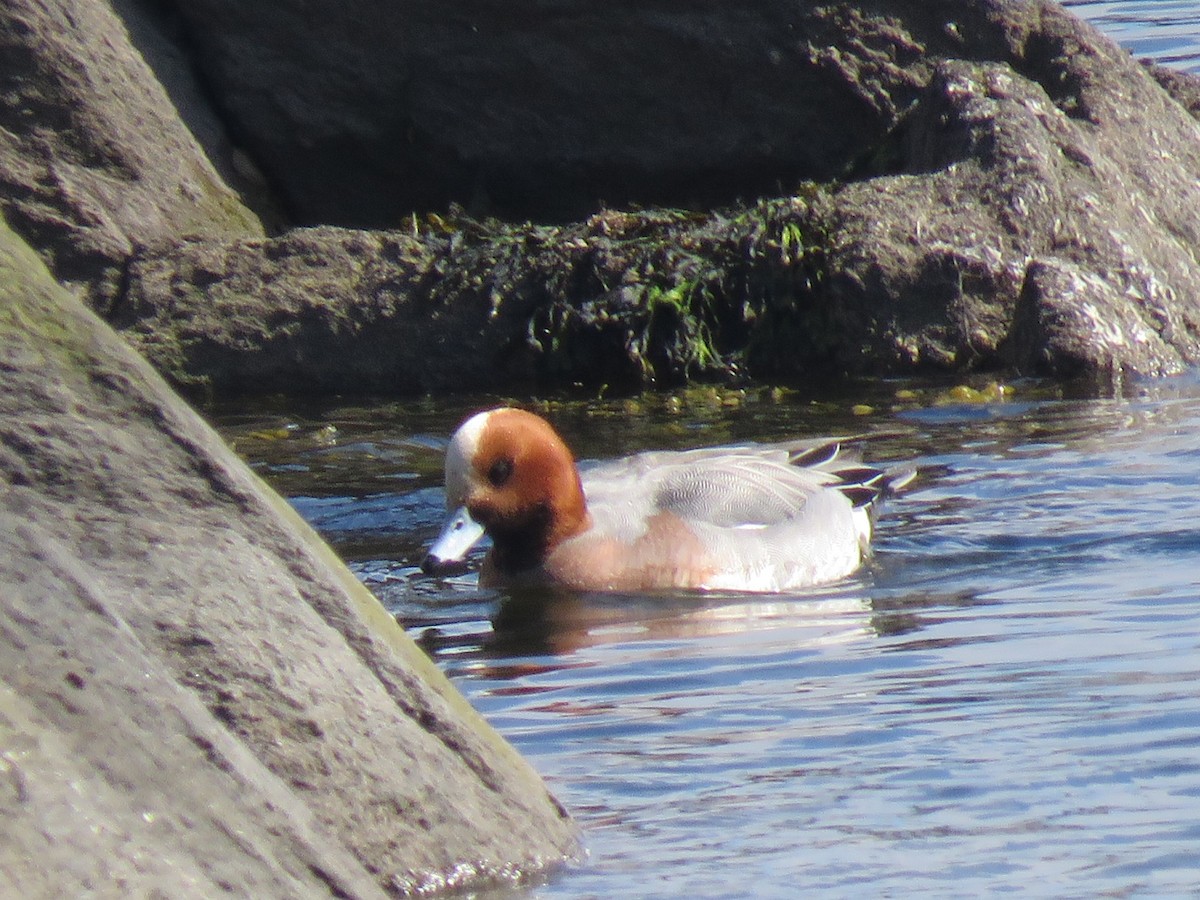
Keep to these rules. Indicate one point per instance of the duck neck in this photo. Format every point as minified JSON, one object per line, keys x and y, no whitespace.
{"x":524,"y":546}
{"x":520,"y":548}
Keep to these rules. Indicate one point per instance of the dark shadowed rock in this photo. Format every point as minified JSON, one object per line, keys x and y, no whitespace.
{"x":550,"y":111}
{"x":95,"y":161}
{"x":196,"y":697}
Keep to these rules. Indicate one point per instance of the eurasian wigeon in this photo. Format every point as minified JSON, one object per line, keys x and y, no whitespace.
{"x":750,"y":518}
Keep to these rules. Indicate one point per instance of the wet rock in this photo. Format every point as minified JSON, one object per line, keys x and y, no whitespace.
{"x":196,"y":696}
{"x":95,"y":159}
{"x":618,"y":301}
{"x":550,"y":113}
{"x":918,"y":164}
{"x":1003,"y":182}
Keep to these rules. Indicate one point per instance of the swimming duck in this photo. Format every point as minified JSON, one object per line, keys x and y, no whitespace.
{"x":764,"y":518}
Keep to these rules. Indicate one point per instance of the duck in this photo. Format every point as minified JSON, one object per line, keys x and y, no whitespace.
{"x":753,"y":518}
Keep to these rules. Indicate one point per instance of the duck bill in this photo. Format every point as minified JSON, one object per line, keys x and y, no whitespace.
{"x":447,"y":554}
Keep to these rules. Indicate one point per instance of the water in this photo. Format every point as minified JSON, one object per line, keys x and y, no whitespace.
{"x":1164,"y":30}
{"x":1007,"y":698}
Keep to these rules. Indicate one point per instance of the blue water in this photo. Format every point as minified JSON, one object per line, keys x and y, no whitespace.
{"x":1006,"y":699}
{"x":1009,"y":699}
{"x":1164,"y":30}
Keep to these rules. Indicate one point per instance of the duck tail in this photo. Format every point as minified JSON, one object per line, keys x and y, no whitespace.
{"x":865,"y":485}
{"x":896,"y":480}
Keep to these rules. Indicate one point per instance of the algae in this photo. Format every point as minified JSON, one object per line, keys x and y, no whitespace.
{"x":28,"y":326}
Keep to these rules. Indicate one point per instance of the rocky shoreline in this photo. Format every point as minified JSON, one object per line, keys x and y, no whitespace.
{"x":950,"y":187}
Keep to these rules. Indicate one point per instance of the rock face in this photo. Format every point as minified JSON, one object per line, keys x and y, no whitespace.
{"x":347,"y":315}
{"x":996,"y":162}
{"x":95,"y":159}
{"x":1069,"y":183}
{"x":551,"y":111}
{"x":345,"y":311}
{"x":196,"y":697}
{"x":943,"y":184}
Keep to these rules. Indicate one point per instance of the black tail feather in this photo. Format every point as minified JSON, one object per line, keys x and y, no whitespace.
{"x":815,"y":457}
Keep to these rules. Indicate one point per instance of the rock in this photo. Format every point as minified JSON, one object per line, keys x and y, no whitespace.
{"x":974,"y":145}
{"x":551,"y":113}
{"x":618,"y":300}
{"x":196,"y":696}
{"x":975,"y":142}
{"x":925,"y":268}
{"x":95,"y":160}
{"x":323,"y":310}
{"x":1184,"y":87}
{"x":1070,"y":321}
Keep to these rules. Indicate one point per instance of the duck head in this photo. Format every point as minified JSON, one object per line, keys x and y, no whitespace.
{"x":508,"y":474}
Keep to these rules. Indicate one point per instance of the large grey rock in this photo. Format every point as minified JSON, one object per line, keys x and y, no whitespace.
{"x":196,"y":697}
{"x":95,"y":161}
{"x":982,"y":146}
{"x":1083,"y":164}
{"x":363,"y":111}
{"x":986,"y":154}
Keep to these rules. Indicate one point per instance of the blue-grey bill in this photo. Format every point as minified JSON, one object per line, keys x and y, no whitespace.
{"x":447,"y":554}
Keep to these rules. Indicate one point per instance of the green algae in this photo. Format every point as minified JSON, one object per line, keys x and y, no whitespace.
{"x":627,"y":300}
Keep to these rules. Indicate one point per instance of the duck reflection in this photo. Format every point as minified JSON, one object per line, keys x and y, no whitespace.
{"x":557,"y":622}
{"x":548,"y":628}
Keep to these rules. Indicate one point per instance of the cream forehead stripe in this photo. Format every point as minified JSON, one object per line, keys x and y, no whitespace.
{"x":459,"y":455}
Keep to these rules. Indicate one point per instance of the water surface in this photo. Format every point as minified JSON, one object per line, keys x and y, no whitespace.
{"x":1008,"y":697}
{"x":1167,"y":31}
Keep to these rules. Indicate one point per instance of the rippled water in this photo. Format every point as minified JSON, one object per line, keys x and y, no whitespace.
{"x":1165,"y":30}
{"x":1007,"y":698}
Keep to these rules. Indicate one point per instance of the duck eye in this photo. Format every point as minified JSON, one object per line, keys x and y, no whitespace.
{"x":500,"y":472}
